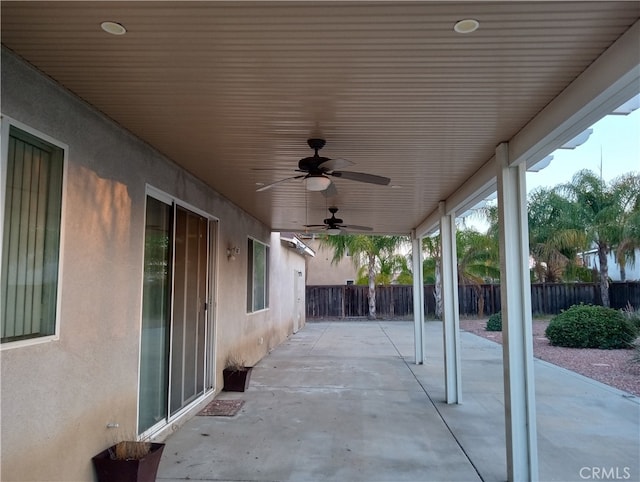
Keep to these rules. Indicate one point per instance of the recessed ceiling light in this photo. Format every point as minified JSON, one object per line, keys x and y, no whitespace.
{"x":467,"y":25}
{"x":114,"y":28}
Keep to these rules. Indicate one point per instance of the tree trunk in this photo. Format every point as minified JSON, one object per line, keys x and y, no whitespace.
{"x":372,"y":287}
{"x":621,"y":261}
{"x":480,"y":297}
{"x":603,"y":276}
{"x":437,"y":292}
{"x":623,"y":273}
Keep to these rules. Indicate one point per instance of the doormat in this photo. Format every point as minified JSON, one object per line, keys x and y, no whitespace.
{"x":222,"y":408}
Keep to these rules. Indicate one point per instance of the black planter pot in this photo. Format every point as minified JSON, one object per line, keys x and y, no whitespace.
{"x":236,"y":380}
{"x":139,"y":470}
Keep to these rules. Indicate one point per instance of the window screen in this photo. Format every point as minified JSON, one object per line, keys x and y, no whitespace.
{"x":257,"y":276}
{"x":31,"y":237}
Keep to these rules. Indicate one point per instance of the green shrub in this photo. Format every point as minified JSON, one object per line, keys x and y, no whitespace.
{"x":588,"y":326}
{"x":629,"y":313}
{"x":494,"y":323}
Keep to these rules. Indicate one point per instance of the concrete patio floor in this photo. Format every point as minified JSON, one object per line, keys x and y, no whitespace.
{"x":343,"y":401}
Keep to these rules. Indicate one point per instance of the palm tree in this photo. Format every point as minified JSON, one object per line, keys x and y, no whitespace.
{"x":630,"y":239}
{"x":554,"y":238}
{"x":369,"y":252}
{"x":432,"y":269}
{"x":478,"y":261}
{"x":603,"y":212}
{"x":626,"y":250}
{"x":393,"y":268}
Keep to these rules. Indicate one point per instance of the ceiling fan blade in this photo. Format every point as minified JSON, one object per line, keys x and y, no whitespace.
{"x":358,"y":228}
{"x":315,"y":225}
{"x":269,"y":186}
{"x":362,"y":177}
{"x":332,"y":164}
{"x":330,"y":191}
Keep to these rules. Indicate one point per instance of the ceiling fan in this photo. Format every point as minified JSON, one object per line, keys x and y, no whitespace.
{"x":334,"y":225}
{"x":316,"y":170}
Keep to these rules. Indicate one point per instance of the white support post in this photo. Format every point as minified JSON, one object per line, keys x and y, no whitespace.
{"x":450,"y":311}
{"x":515,"y":292}
{"x":418,"y":297}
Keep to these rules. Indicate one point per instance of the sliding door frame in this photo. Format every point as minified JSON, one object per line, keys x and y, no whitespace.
{"x":210,"y":317}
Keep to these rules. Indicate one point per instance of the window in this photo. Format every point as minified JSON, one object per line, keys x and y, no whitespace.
{"x":257,"y":276}
{"x":31,"y":236}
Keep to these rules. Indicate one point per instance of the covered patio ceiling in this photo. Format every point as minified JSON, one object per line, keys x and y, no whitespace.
{"x":227,"y":88}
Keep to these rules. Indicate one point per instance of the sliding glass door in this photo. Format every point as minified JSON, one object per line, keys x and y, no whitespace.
{"x":156,"y":300}
{"x":173,"y":357}
{"x":189,"y":309}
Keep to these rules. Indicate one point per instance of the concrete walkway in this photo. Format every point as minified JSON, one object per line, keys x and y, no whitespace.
{"x":343,"y":401}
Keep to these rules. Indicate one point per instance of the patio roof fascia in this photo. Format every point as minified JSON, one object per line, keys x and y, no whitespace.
{"x":606,"y":84}
{"x":610,"y":81}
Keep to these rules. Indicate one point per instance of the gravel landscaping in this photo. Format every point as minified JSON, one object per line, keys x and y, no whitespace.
{"x":612,"y":367}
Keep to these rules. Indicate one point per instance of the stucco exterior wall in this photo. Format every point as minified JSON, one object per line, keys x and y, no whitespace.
{"x":632,"y":270}
{"x":321,"y":271}
{"x":58,"y":397}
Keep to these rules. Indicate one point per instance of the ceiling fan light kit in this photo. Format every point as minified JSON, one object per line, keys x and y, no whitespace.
{"x":316,"y":170}
{"x":317,"y":183}
{"x":333,"y":225}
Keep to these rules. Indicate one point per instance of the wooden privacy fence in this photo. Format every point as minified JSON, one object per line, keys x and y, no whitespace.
{"x":396,"y":301}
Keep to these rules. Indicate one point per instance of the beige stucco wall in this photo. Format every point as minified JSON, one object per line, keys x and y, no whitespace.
{"x":57,"y":397}
{"x":321,"y":271}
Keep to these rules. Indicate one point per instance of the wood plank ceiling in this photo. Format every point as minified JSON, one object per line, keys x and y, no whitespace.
{"x":223,"y":88}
